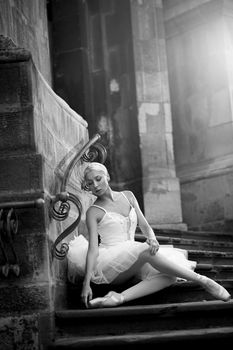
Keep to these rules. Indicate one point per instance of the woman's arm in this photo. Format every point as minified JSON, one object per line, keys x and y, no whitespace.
{"x":92,"y":254}
{"x":143,"y":224}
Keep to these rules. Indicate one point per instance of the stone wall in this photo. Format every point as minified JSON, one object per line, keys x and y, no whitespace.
{"x":25,"y":22}
{"x":37,"y":130}
{"x":199,"y":47}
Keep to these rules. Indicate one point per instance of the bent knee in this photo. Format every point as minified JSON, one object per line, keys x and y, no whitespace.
{"x":144,"y":256}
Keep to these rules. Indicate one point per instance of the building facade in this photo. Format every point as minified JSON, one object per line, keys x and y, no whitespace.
{"x":154,"y":79}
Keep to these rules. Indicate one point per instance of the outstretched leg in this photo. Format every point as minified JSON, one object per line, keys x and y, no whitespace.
{"x":147,"y":287}
{"x":164,"y":265}
{"x":160,"y":262}
{"x":141,"y":289}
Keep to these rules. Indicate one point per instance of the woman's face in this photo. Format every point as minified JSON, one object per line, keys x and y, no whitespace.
{"x":97,"y":182}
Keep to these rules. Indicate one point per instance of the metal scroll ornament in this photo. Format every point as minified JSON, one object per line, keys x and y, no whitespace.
{"x":8,"y":229}
{"x":61,"y":203}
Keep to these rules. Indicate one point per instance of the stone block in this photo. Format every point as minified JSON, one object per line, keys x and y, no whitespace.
{"x":153,"y":151}
{"x":21,"y":140}
{"x":19,"y":332}
{"x":154,"y":87}
{"x":33,"y":263}
{"x":15,"y":85}
{"x":19,"y":299}
{"x":162,"y":202}
{"x":147,"y":109}
{"x":207,"y":202}
{"x":10,"y":85}
{"x":146,"y":30}
{"x":20,"y":174}
{"x":31,"y":220}
{"x":149,"y":56}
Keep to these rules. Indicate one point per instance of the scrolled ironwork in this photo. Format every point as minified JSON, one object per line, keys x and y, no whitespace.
{"x":8,"y":229}
{"x":60,"y":212}
{"x":62,"y":252}
{"x":90,"y":145}
{"x":60,"y":206}
{"x":12,"y":223}
{"x":95,"y":151}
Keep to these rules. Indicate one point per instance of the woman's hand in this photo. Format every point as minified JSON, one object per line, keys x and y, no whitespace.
{"x":86,"y":294}
{"x":154,"y":245}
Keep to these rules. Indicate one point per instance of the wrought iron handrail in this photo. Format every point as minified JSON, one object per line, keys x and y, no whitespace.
{"x":9,"y":228}
{"x":60,"y":206}
{"x":37,"y":203}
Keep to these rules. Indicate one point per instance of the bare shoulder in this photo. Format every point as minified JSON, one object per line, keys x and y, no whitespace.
{"x":90,"y":211}
{"x":94,"y":213}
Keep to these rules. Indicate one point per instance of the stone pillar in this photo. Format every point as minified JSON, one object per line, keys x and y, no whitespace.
{"x":161,"y":188}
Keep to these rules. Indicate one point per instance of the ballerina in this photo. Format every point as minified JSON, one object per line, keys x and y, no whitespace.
{"x":114,"y":217}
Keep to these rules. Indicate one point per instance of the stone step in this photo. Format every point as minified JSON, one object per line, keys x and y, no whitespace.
{"x":201,"y":251}
{"x":182,"y":291}
{"x":199,"y":235}
{"x":211,"y":257}
{"x":215,"y":336}
{"x":185,"y":243}
{"x":182,"y":314}
{"x":191,"y":243}
{"x":215,"y":271}
{"x":129,"y":319}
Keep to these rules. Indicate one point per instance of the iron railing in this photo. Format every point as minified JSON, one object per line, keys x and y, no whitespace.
{"x":9,"y":229}
{"x":60,"y":203}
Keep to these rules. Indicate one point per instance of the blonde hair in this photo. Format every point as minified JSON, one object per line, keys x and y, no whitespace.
{"x":97,"y":167}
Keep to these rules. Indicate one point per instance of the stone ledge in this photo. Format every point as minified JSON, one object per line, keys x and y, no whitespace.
{"x":9,"y":52}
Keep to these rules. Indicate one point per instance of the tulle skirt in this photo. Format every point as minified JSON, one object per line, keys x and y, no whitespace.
{"x":113,"y":260}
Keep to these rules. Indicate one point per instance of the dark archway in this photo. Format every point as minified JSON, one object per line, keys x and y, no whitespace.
{"x":93,"y":71}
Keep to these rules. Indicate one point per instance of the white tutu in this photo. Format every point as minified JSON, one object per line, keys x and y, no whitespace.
{"x":118,"y":258}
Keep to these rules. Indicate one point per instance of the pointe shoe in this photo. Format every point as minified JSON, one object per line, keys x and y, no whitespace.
{"x":109,"y":300}
{"x":214,"y":288}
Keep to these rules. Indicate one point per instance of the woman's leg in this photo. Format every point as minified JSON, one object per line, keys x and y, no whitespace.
{"x":147,"y":287}
{"x":139,"y":290}
{"x":160,"y":262}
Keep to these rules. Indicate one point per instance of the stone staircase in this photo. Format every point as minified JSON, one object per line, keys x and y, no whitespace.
{"x":183,"y":314}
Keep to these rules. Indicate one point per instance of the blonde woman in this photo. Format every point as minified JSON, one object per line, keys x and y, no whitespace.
{"x":113,"y":219}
